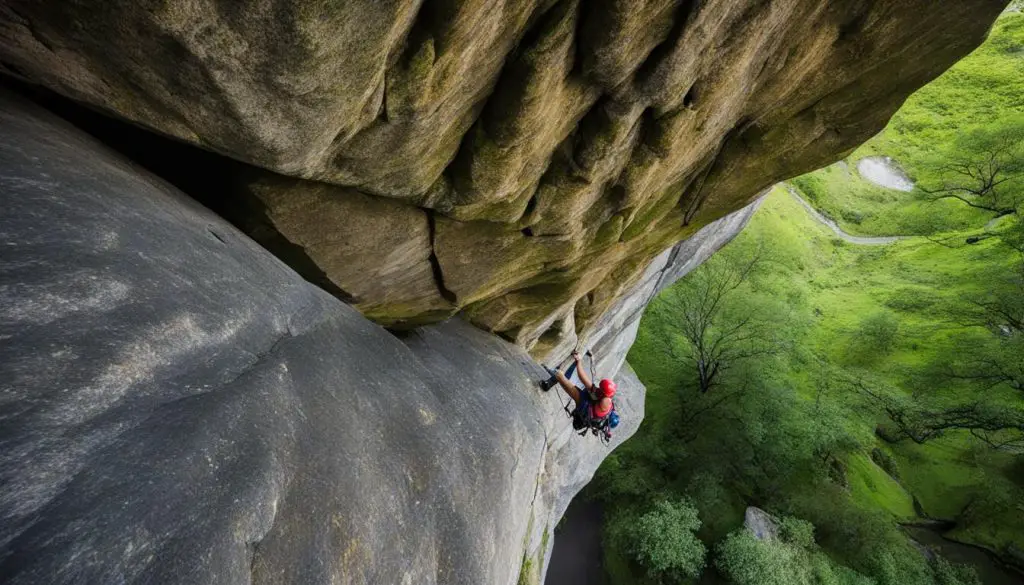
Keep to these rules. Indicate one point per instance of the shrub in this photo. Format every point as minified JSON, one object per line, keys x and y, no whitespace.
{"x":947,"y":573}
{"x":877,"y":332}
{"x":663,"y":540}
{"x":811,"y":186}
{"x":853,"y":216}
{"x":744,"y":560}
{"x":796,"y":532}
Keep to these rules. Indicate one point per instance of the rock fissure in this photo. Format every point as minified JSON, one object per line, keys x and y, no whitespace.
{"x":435,"y":264}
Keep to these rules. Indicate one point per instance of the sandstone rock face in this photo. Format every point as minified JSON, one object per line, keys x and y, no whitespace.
{"x":180,"y":407}
{"x":554,"y":147}
{"x":613,"y":334}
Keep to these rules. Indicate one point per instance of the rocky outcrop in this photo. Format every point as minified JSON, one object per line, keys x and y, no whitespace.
{"x":763,"y":525}
{"x":180,"y":407}
{"x":530,"y":157}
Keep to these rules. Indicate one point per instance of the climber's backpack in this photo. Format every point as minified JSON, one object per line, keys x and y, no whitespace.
{"x":583,"y":420}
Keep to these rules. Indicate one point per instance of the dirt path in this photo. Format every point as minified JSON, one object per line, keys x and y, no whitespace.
{"x":861,"y":240}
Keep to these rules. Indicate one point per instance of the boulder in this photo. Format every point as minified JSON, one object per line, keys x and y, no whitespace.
{"x":558,"y":147}
{"x":181,"y":407}
{"x":761,"y":523}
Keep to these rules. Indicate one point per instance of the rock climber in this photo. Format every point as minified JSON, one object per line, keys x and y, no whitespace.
{"x":594,"y":408}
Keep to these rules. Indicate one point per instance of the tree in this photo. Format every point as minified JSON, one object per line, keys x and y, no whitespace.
{"x":913,"y":419}
{"x":748,"y":561}
{"x":716,"y":339}
{"x":876,"y":334}
{"x":983,"y":168}
{"x":664,"y":541}
{"x":745,"y":560}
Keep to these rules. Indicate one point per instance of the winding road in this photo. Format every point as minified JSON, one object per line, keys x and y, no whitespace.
{"x":862,"y":240}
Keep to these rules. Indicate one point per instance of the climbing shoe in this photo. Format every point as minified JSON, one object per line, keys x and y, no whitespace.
{"x":546,"y":385}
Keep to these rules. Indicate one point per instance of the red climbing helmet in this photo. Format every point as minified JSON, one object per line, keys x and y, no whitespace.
{"x":607,"y":388}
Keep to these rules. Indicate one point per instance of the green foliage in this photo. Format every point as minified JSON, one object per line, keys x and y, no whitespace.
{"x":663,"y":540}
{"x":876,"y":334}
{"x":527,"y":573}
{"x":946,"y":573}
{"x":781,"y":439}
{"x":983,"y":167}
{"x":797,"y":532}
{"x":886,"y":462}
{"x":744,"y":560}
{"x":981,"y":91}
{"x":812,"y":186}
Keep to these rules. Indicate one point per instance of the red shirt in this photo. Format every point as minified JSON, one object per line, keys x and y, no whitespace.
{"x":597,"y":412}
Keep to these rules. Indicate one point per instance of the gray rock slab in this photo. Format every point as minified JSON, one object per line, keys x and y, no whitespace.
{"x":761,"y":523}
{"x":178,"y":406}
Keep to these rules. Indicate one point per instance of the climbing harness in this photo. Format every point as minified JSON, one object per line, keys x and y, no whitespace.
{"x":582,"y":419}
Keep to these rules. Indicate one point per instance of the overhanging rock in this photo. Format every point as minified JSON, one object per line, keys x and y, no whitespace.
{"x":180,"y":407}
{"x":532,"y":157}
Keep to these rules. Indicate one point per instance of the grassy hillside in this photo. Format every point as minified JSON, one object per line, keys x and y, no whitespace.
{"x":798,"y":442}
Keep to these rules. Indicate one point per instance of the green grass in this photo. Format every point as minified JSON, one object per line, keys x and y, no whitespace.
{"x":915,"y":280}
{"x":872,"y":488}
{"x":830,"y":287}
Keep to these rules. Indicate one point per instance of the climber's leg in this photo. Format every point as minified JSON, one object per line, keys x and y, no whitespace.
{"x":568,"y":387}
{"x":550,"y":382}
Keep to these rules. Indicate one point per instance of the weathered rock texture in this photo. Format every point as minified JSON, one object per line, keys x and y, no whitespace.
{"x":763,"y":525}
{"x":180,"y":407}
{"x":522,"y":161}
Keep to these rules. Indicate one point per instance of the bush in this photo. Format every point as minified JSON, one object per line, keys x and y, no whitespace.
{"x":744,"y":560}
{"x":812,"y":187}
{"x":877,"y":332}
{"x":796,"y":532}
{"x":947,"y":573}
{"x":663,"y":540}
{"x":899,"y":565}
{"x":853,"y":216}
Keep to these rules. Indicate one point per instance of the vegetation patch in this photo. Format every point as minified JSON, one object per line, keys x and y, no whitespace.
{"x":845,"y":388}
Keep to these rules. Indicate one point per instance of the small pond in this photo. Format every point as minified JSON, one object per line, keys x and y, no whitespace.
{"x":884,"y":172}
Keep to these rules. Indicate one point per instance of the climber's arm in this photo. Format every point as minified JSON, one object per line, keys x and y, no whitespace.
{"x":584,"y":377}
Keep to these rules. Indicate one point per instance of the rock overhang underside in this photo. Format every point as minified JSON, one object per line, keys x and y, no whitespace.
{"x":519,"y":162}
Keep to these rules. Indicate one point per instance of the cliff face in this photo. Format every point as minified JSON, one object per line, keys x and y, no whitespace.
{"x":180,"y":407}
{"x":520,"y":162}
